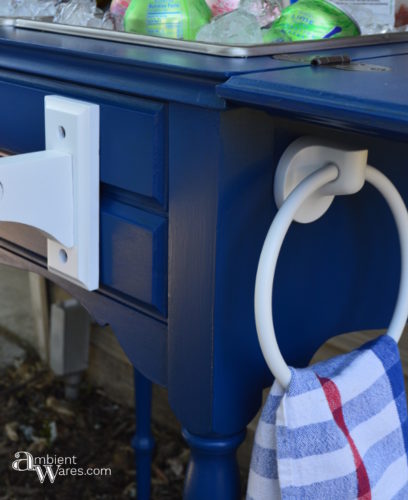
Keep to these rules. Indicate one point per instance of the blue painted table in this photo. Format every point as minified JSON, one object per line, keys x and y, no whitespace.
{"x":189,"y":145}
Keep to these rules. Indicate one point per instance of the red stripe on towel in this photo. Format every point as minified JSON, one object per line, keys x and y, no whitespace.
{"x":333,"y":397}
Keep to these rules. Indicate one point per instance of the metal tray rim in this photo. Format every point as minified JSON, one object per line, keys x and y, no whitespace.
{"x":242,"y":51}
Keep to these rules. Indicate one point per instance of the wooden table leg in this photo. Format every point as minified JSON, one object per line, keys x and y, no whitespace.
{"x":143,"y":442}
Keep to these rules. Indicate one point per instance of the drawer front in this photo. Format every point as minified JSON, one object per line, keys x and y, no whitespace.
{"x":134,"y":253}
{"x":133,"y":148}
{"x":133,"y":145}
{"x":132,"y":134}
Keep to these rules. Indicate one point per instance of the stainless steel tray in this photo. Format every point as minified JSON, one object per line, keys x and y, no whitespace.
{"x":199,"y":47}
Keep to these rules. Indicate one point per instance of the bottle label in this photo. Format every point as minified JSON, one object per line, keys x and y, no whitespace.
{"x":164,"y":18}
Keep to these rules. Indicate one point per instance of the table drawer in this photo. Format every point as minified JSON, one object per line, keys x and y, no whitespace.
{"x":133,"y":147}
{"x":132,"y":135}
{"x":134,"y":253}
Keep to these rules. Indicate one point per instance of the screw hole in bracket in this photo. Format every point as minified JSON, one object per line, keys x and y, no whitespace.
{"x":63,"y":256}
{"x":61,"y":132}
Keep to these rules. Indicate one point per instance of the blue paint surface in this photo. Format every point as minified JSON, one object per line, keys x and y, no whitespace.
{"x":189,"y":148}
{"x":133,"y":151}
{"x":134,"y":253}
{"x":366,"y":100}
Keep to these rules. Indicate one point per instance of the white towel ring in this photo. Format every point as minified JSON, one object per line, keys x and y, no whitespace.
{"x":272,"y":246}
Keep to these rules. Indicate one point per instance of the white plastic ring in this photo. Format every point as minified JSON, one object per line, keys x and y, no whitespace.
{"x":272,"y":245}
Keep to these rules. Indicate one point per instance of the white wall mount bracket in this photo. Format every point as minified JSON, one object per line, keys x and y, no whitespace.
{"x":305,"y":156}
{"x":57,"y":190}
{"x":330,"y":175}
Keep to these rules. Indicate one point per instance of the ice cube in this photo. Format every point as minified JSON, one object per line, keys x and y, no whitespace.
{"x":370,"y":23}
{"x":266,"y":11}
{"x":82,"y":13}
{"x":235,"y":28}
{"x":24,"y":8}
{"x":368,"y":19}
{"x":107,"y":22}
{"x":5,"y":9}
{"x":78,"y":13}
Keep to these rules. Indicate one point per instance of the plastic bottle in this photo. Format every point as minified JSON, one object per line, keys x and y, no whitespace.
{"x":167,"y":18}
{"x":118,"y":7}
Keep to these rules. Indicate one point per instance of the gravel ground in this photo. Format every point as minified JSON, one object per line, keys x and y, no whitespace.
{"x":37,"y":419}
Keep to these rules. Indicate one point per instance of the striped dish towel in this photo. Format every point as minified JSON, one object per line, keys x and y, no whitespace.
{"x":340,"y":431}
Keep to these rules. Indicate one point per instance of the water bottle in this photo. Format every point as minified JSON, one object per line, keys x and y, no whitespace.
{"x":167,"y":18}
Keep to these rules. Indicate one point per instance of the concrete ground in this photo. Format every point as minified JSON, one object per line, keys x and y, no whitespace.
{"x":10,"y":352}
{"x":15,"y":316}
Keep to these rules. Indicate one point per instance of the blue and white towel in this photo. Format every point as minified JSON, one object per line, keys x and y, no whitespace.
{"x":340,"y":431}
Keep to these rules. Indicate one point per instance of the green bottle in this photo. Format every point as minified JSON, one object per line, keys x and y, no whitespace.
{"x":180,"y":19}
{"x":311,"y":20}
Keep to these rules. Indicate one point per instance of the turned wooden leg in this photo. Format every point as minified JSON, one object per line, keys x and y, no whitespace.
{"x":143,"y":442}
{"x":213,"y":472}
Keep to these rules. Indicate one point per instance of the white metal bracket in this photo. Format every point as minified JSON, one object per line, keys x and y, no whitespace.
{"x":307,"y":155}
{"x":57,"y":190}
